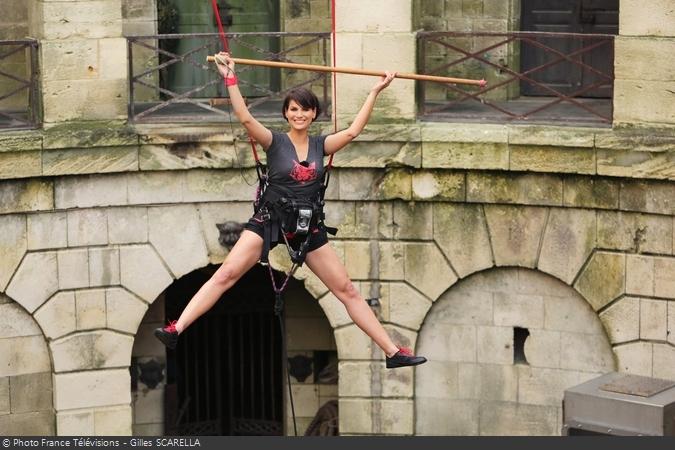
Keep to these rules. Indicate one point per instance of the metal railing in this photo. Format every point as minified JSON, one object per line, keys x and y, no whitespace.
{"x":170,"y":80}
{"x":532,"y":76}
{"x":19,"y":89}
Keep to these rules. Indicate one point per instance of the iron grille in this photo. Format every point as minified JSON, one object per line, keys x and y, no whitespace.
{"x":19,"y":88}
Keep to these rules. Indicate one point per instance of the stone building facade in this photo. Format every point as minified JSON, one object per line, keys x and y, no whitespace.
{"x":520,"y":259}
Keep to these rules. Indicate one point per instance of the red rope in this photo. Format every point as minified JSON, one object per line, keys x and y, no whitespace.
{"x":226,"y":48}
{"x":334,"y":99}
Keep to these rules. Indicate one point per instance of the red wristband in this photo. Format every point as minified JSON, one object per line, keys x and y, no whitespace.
{"x":231,"y":81}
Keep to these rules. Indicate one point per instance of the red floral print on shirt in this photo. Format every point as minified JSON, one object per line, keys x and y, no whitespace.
{"x":303,"y":174}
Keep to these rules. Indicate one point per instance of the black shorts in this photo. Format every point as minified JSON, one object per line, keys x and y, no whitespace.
{"x":318,"y":239}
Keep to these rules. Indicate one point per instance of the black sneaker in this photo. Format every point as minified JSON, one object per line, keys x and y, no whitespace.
{"x":404,"y":357}
{"x":168,"y":335}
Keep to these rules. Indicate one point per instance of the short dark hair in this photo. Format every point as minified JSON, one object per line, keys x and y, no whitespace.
{"x":303,"y":97}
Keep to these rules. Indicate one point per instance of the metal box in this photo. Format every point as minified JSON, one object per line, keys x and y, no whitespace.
{"x":621,"y":405}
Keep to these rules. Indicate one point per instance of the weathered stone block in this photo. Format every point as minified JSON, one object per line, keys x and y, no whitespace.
{"x":456,"y":343}
{"x":127,"y":225}
{"x":568,"y":311}
{"x":465,"y":155}
{"x":664,"y":362}
{"x":551,"y":159}
{"x":378,"y":16}
{"x":358,"y":259}
{"x":75,"y":423}
{"x":635,"y":233}
{"x":15,"y":322}
{"x":621,"y":320}
{"x":395,"y":184}
{"x":205,"y":185}
{"x":461,"y":233}
{"x":596,"y":357}
{"x":14,"y":360}
{"x":521,"y":310}
{"x":432,"y":417}
{"x":529,"y":189}
{"x":31,"y":392}
{"x":72,"y":59}
{"x":57,"y":317}
{"x":21,"y":164}
{"x":115,"y":421}
{"x":635,"y":164}
{"x":104,"y":266}
{"x":551,"y":136}
{"x":334,"y":310}
{"x":28,"y":424}
{"x":395,"y":417}
{"x":20,"y":141}
{"x":547,"y":386}
{"x":590,"y":192}
{"x":653,"y":319}
{"x":649,"y":196}
{"x":639,"y":275}
{"x":4,"y":396}
{"x":515,"y":234}
{"x":459,"y":306}
{"x":406,"y":307}
{"x":634,"y":358}
{"x":514,"y":419}
{"x":47,"y":230}
{"x":87,"y":227}
{"x":91,"y":388}
{"x":568,"y":240}
{"x":356,"y":378}
{"x":463,"y":132}
{"x":384,"y":153}
{"x":413,"y":220}
{"x":90,"y":309}
{"x":357,"y":416}
{"x":143,"y":272}
{"x":438,"y":277}
{"x":640,"y":101}
{"x":35,"y":280}
{"x":90,"y":190}
{"x":437,"y":379}
{"x":26,"y":195}
{"x":90,"y":160}
{"x":13,"y":245}
{"x":603,"y":279}
{"x":352,"y":343}
{"x":636,"y":20}
{"x":93,"y":350}
{"x":542,"y":348}
{"x":392,"y":260}
{"x":90,"y":134}
{"x":664,"y":277}
{"x":124,"y":312}
{"x":438,"y":185}
{"x":494,"y":345}
{"x":73,"y":269}
{"x":176,"y":235}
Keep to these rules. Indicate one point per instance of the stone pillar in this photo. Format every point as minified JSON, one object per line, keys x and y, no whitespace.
{"x":375,"y":35}
{"x":644,"y":87}
{"x":83,"y":58}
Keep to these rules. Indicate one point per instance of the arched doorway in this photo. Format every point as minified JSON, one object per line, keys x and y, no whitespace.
{"x":226,"y":375}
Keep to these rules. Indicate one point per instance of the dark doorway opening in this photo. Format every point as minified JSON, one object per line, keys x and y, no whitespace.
{"x":226,"y":375}
{"x":569,"y":16}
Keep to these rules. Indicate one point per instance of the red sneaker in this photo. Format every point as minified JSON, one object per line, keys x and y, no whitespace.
{"x":404,"y":357}
{"x":168,"y":334}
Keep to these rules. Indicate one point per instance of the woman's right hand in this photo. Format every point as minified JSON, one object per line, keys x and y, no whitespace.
{"x":227,"y":69}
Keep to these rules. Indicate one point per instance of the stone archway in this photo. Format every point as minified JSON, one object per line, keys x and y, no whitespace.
{"x":503,"y":346}
{"x":26,"y":406}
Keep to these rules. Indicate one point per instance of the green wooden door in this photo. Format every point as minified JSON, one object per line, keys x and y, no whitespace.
{"x":196,"y":16}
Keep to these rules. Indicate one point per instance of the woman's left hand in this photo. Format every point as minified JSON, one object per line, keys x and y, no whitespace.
{"x":384,"y":81}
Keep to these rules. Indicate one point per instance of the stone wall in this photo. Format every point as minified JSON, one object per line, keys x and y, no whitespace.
{"x":645,"y":78}
{"x":26,"y":407}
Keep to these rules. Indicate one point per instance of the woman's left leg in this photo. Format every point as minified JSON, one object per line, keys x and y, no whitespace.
{"x":325,"y":263}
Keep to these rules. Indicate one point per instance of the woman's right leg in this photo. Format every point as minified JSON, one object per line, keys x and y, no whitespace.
{"x":243,"y":256}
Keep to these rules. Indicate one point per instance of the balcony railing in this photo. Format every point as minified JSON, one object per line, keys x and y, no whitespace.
{"x":170,"y":80}
{"x":19,"y":88}
{"x":532,"y":77}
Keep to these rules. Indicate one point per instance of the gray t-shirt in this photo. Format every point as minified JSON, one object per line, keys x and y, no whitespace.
{"x":283,"y":168}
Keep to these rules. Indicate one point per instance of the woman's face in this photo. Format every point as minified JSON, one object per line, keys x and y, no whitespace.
{"x":298,"y":117}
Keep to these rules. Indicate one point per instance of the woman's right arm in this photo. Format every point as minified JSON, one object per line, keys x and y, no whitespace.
{"x":255,"y":129}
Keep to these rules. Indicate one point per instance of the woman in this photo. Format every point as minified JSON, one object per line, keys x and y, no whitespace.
{"x":295,"y":164}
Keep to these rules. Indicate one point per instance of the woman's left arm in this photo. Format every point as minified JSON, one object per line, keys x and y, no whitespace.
{"x":337,"y":141}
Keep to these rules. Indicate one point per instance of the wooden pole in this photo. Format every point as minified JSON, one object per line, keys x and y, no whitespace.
{"x":375,"y":73}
